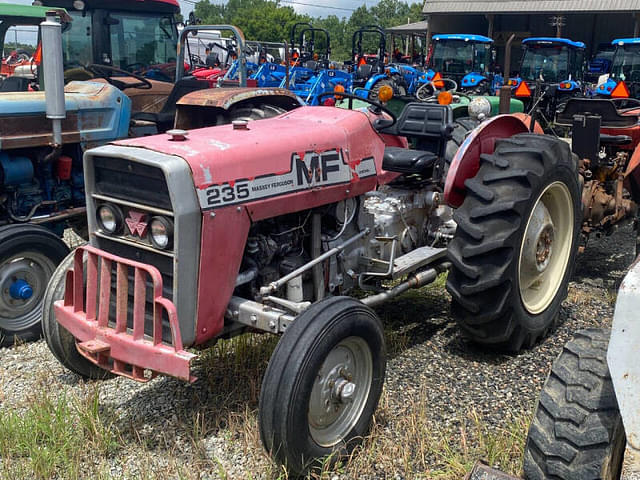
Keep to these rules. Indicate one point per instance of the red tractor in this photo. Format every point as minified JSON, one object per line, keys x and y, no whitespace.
{"x":272,"y":225}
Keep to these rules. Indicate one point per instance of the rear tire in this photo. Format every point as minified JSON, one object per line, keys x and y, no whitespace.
{"x":322,"y":384}
{"x":516,"y":240}
{"x":249,"y":112}
{"x":28,"y":256}
{"x":61,"y":343}
{"x":375,"y":90}
{"x":577,"y":431}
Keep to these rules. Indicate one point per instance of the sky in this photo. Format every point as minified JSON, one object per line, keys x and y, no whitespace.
{"x":321,"y":8}
{"x":315,"y":8}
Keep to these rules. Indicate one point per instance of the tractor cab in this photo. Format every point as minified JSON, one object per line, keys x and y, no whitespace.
{"x":550,"y":62}
{"x":18,"y":70}
{"x":464,"y":59}
{"x":624,"y":78}
{"x":120,"y":42}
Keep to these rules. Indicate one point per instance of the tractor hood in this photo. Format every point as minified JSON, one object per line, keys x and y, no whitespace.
{"x":276,"y":147}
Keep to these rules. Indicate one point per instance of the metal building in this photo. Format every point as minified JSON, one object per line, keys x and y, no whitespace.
{"x":590,"y":21}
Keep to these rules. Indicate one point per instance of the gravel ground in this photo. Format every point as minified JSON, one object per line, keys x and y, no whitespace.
{"x":167,"y":424}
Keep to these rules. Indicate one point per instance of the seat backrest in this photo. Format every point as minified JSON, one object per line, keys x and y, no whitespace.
{"x":14,"y":84}
{"x":311,"y":64}
{"x":430,"y":124}
{"x":364,"y":71}
{"x":604,"y":108}
{"x":180,"y":89}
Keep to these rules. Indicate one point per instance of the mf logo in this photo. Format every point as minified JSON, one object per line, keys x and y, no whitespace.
{"x":317,"y":168}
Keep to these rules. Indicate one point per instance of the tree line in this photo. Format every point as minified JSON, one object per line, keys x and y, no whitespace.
{"x":271,"y":21}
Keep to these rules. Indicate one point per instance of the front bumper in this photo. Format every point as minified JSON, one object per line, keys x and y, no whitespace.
{"x":120,"y":345}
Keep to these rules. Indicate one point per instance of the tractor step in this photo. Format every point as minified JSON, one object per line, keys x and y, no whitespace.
{"x":416,"y":259}
{"x":94,"y":346}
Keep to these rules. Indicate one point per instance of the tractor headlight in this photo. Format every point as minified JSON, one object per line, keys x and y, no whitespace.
{"x":110,"y":218}
{"x":161,"y":232}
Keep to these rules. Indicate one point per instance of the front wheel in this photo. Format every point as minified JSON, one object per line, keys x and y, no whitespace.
{"x":28,"y":256}
{"x":577,"y":431}
{"x":322,"y":384}
{"x":514,"y":249}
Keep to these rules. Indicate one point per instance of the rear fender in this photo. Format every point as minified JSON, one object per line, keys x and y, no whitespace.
{"x":481,"y":140}
{"x":632,"y":174}
{"x":623,"y":352}
{"x":373,"y":80}
{"x":191,"y":108}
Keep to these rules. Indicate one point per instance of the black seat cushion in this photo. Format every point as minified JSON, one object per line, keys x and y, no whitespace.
{"x":605,"y":108}
{"x":402,"y":160}
{"x":15,"y":84}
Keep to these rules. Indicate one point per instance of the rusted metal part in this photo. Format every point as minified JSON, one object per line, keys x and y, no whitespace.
{"x":62,"y":215}
{"x":601,"y":209}
{"x":122,"y":349}
{"x":481,"y":471}
{"x":225,"y":97}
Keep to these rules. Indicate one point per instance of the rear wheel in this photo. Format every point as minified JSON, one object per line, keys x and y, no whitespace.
{"x":249,"y":112}
{"x":61,"y":343}
{"x":374,"y":93}
{"x":577,"y":431}
{"x":322,"y":384}
{"x":28,"y":256}
{"x":516,"y":241}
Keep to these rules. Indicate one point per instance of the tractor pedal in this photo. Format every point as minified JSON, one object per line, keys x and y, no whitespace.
{"x":416,"y":259}
{"x":94,"y":346}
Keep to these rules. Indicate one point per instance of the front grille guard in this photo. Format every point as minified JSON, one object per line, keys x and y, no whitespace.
{"x":122,"y":350}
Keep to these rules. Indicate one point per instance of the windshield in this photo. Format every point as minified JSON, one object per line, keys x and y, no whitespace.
{"x":549,"y":63}
{"x":138,"y":43}
{"x":460,"y":57}
{"x":76,"y":42}
{"x":142,"y":42}
{"x":626,"y":63}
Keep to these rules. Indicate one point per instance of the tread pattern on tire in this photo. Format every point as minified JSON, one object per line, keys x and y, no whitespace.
{"x":576,"y":433}
{"x":484,"y":252}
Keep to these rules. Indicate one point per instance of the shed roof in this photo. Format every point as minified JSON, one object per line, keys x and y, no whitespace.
{"x":416,"y":27}
{"x":530,"y":6}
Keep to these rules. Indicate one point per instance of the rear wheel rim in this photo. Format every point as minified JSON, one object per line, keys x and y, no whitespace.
{"x":340,"y":391}
{"x":546,"y":248}
{"x":33,"y":268}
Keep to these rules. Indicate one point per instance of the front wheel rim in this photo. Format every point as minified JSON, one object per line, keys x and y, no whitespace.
{"x":340,"y":391}
{"x":19,"y":312}
{"x":546,"y":248}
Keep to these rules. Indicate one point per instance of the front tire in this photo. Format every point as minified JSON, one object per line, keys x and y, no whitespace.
{"x":322,"y":384}
{"x":28,"y":256}
{"x":514,"y":249}
{"x":61,"y":343}
{"x":577,"y":431}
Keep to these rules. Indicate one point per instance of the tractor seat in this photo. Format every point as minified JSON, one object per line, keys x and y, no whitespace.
{"x":14,"y":84}
{"x":165,"y":117}
{"x":402,"y":160}
{"x":364,"y":71}
{"x":311,"y":65}
{"x":606,"y":139}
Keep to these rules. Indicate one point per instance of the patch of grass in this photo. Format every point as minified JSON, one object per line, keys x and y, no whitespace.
{"x":54,"y":437}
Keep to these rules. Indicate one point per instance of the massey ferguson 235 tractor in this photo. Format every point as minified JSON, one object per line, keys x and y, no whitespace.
{"x":271,"y":225}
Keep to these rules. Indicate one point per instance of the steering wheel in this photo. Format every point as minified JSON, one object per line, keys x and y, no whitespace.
{"x":377,"y":108}
{"x":102,"y":71}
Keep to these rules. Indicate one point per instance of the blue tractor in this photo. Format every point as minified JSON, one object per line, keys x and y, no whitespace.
{"x":550,"y":61}
{"x":624,"y":77}
{"x":466,"y":60}
{"x":312,"y":75}
{"x":368,"y":69}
